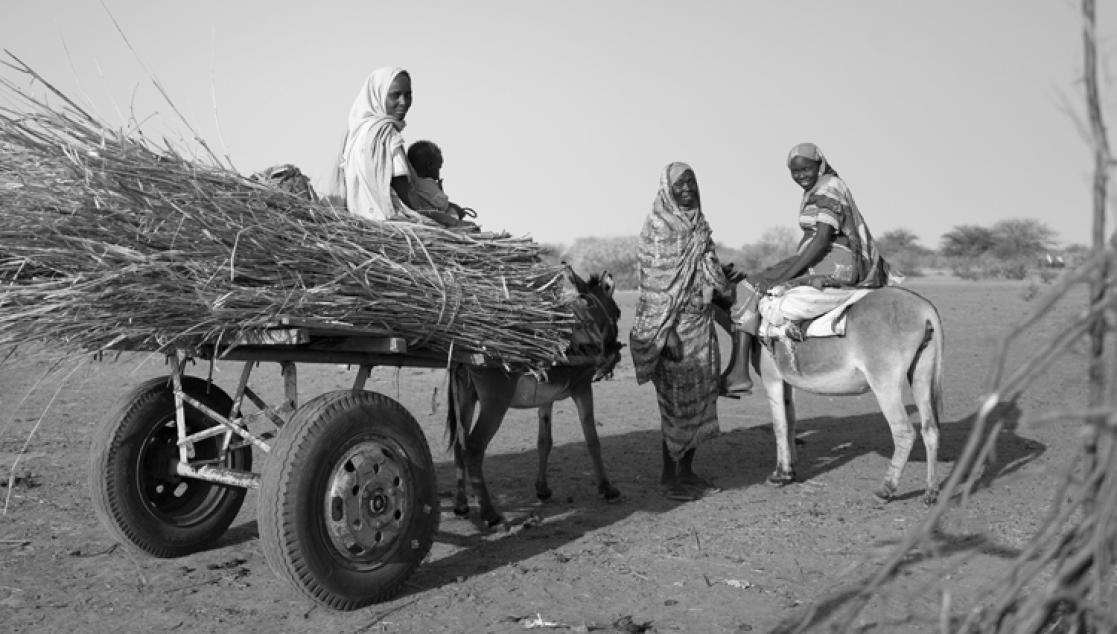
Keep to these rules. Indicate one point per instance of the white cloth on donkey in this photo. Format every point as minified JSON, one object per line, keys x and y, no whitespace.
{"x":826,"y":306}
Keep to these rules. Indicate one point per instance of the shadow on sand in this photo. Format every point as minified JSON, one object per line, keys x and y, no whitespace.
{"x":738,"y":459}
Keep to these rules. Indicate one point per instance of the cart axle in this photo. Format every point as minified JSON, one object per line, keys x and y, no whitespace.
{"x":220,"y":475}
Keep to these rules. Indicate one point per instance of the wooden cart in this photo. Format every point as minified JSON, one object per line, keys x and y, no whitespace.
{"x":348,"y":502}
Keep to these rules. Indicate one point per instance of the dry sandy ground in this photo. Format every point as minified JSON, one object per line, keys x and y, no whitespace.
{"x":739,"y":560}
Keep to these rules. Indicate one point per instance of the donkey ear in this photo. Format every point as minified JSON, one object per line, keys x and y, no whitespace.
{"x":572,"y":278}
{"x":607,"y":283}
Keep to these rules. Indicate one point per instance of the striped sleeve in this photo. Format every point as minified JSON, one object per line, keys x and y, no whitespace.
{"x":824,"y":209}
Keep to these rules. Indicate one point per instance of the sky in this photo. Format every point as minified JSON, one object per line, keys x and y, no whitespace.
{"x":556,"y":119}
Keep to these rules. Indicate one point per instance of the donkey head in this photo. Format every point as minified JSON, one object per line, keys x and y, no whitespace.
{"x":596,"y":313}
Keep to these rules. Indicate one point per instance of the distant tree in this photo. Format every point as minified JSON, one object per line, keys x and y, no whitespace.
{"x":1022,"y":238}
{"x":589,"y":256}
{"x":967,"y":241}
{"x":900,"y":242}
{"x":775,"y":244}
{"x":1074,"y":254}
{"x":551,"y":253}
{"x":904,"y":253}
{"x":779,"y":242}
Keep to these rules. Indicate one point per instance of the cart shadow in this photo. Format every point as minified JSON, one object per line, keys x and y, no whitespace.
{"x":738,"y":459}
{"x":632,"y":461}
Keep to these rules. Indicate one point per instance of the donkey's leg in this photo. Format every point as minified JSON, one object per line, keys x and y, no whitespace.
{"x":890,"y":397}
{"x":543,"y":447}
{"x":465,"y":399}
{"x":489,"y":418}
{"x":793,"y":441}
{"x":582,"y":395}
{"x":925,"y":392}
{"x":461,"y":497}
{"x":781,"y":402}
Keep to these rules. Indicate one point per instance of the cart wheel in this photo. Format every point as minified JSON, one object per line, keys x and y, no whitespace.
{"x":135,"y":492}
{"x":348,"y":501}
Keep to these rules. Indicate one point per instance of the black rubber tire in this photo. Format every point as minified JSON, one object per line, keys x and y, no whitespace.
{"x":134,"y":492}
{"x":306,"y":500}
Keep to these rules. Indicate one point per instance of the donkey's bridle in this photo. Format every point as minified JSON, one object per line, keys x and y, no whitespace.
{"x":606,"y":356}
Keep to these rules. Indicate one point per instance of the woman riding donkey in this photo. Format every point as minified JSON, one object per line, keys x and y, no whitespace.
{"x":836,"y":250}
{"x":374,"y":171}
{"x":673,"y":341}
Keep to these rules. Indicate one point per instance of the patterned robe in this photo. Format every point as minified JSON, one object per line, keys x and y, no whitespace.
{"x":677,"y":262}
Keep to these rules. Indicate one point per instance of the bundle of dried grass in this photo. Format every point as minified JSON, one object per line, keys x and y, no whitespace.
{"x":108,"y":241}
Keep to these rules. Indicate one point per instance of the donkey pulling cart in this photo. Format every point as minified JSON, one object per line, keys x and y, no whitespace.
{"x":348,"y":502}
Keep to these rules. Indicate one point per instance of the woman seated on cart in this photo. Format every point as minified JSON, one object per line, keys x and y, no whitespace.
{"x":374,"y":172}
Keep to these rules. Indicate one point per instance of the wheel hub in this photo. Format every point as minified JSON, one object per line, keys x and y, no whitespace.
{"x":367,"y":501}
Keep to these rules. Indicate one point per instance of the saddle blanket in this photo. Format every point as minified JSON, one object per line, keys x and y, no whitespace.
{"x":826,"y":308}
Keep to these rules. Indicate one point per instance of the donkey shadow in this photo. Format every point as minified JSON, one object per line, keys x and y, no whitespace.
{"x":827,"y":444}
{"x":633,"y":460}
{"x":739,"y":459}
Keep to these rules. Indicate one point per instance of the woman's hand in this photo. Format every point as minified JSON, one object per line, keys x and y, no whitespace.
{"x":707,"y":295}
{"x":673,"y":348}
{"x":731,"y":273}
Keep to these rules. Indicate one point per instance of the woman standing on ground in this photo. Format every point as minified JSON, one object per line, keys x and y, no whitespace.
{"x":836,"y":250}
{"x":673,"y":342}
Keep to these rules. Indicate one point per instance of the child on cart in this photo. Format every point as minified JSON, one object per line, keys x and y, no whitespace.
{"x":426,"y":191}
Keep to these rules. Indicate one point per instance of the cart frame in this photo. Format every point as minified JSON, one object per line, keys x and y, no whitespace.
{"x":286,"y":342}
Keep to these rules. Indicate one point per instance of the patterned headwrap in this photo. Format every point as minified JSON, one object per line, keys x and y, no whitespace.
{"x":811,"y":152}
{"x":366,"y":159}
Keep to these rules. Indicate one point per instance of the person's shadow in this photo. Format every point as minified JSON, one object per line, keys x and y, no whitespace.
{"x":738,"y":459}
{"x":632,"y":461}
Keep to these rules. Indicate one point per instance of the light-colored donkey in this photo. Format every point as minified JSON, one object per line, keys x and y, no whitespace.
{"x":496,"y":390}
{"x":893,"y":338}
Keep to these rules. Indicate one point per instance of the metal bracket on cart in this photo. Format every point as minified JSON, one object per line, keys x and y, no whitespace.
{"x":285,"y":343}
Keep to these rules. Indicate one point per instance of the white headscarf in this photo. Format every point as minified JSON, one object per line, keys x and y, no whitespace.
{"x":366,"y":159}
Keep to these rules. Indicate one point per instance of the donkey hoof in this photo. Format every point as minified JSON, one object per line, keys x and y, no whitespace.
{"x":781,"y":478}
{"x":461,"y":511}
{"x":930,"y":497}
{"x":609,"y":492}
{"x":493,"y":520}
{"x":885,"y":493}
{"x":543,"y":492}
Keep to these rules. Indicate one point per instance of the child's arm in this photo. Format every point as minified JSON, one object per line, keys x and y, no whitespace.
{"x":402,"y":187}
{"x":462,"y":212}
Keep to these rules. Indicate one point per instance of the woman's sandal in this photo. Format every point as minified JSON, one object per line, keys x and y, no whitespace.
{"x":680,"y":494}
{"x":732,"y":391}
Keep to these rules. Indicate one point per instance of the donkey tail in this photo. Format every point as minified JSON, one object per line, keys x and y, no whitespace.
{"x":938,"y":344}
{"x":931,"y":352}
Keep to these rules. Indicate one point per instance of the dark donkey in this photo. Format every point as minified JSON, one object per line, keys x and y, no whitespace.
{"x":497,"y":390}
